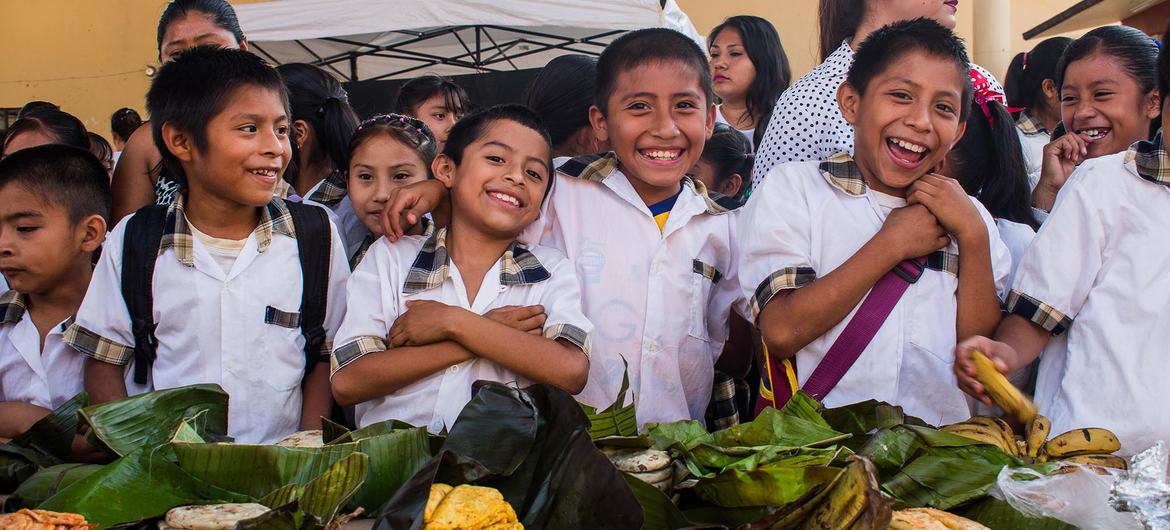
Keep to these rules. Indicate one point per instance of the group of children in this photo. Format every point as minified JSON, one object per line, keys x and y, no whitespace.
{"x":306,"y":258}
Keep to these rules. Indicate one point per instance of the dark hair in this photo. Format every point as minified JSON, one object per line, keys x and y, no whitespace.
{"x":1024,"y":82}
{"x":33,"y":107}
{"x":63,"y":127}
{"x":644,"y":46}
{"x":989,"y":163}
{"x":1136,"y":51}
{"x":766,"y":52}
{"x":731,"y":154}
{"x":562,"y":93}
{"x":100,"y":147}
{"x":838,"y":20}
{"x":473,"y":126}
{"x":1164,"y":69}
{"x":412,"y":93}
{"x":411,"y":132}
{"x":124,"y":122}
{"x":189,"y":91}
{"x":318,"y":98}
{"x":894,"y":41}
{"x":63,"y":175}
{"x":220,"y":12}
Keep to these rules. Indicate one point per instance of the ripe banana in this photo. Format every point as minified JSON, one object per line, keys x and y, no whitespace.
{"x":1113,"y":461}
{"x":1005,"y":395}
{"x":981,"y":433}
{"x":1036,"y":433}
{"x":998,"y":425}
{"x":1076,"y":442}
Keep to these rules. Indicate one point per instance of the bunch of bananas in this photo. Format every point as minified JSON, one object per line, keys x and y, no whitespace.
{"x":1092,"y":445}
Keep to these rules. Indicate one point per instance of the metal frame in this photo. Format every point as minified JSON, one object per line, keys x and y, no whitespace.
{"x":483,"y":52}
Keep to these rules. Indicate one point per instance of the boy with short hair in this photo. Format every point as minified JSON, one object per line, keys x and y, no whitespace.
{"x":865,"y":269}
{"x":236,"y":284}
{"x":430,"y":315}
{"x":654,"y":253}
{"x":54,"y":201}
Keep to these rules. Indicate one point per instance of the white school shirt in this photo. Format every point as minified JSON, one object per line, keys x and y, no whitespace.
{"x":332,"y":194}
{"x":807,"y":220}
{"x":418,"y":268}
{"x":1095,"y":276}
{"x":1033,"y":138}
{"x":46,"y":377}
{"x":238,"y":328}
{"x":659,"y":299}
{"x":747,"y":133}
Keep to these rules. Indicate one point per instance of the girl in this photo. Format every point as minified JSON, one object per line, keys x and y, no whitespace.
{"x":1031,"y":89}
{"x":1108,"y":100}
{"x":45,"y":127}
{"x":436,"y":101}
{"x":386,"y":152}
{"x":322,"y":125}
{"x":123,"y":123}
{"x":561,"y":95}
{"x":140,"y":179}
{"x":750,"y":70}
{"x":726,"y":164}
{"x":102,"y":150}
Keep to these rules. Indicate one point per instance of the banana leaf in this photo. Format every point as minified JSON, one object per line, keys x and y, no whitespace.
{"x":994,"y":513}
{"x":150,"y":420}
{"x":53,"y":434}
{"x":17,"y":464}
{"x":394,"y":458}
{"x":618,"y":419}
{"x":862,"y":419}
{"x":46,"y":483}
{"x":533,"y":445}
{"x":769,"y":485}
{"x":658,"y":513}
{"x":312,"y":506}
{"x":257,"y":470}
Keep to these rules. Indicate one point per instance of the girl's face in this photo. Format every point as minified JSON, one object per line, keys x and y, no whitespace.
{"x":438,"y":116}
{"x":731,"y":69}
{"x":195,"y":29}
{"x":1103,"y":103}
{"x":941,"y":11}
{"x":377,"y":167}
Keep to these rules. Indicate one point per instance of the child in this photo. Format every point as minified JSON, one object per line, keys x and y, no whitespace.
{"x":1109,"y":99}
{"x":430,"y":315}
{"x":44,"y":127}
{"x":1031,"y":89}
{"x":654,"y":253}
{"x":102,"y":150}
{"x":749,"y":70}
{"x":1089,"y":299}
{"x":726,"y":164}
{"x":386,"y":152}
{"x":819,"y":236}
{"x":54,"y":201}
{"x":237,"y":272}
{"x":434,"y":100}
{"x":123,"y":123}
{"x":561,"y":95}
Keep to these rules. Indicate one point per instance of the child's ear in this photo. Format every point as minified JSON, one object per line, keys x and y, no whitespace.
{"x":710,"y":120}
{"x":444,"y":169}
{"x":731,"y":185}
{"x":301,"y":128}
{"x":91,"y":232}
{"x":600,"y":127}
{"x":849,"y":99}
{"x":179,"y":143}
{"x":1050,"y":90}
{"x":1153,"y":104}
{"x":959,"y":134}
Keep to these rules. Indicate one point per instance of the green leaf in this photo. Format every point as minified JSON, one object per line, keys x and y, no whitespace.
{"x":770,"y":485}
{"x":658,"y":512}
{"x":942,"y":482}
{"x":17,"y":464}
{"x":324,"y":495}
{"x":150,"y":420}
{"x":994,"y":513}
{"x":257,"y":470}
{"x":283,"y":517}
{"x":46,"y":483}
{"x":53,"y":434}
{"x":394,"y":458}
{"x":796,"y":425}
{"x":678,"y":434}
{"x":618,"y":419}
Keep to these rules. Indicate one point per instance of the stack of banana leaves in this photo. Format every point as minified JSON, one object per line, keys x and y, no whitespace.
{"x":804,"y":466}
{"x":167,"y":449}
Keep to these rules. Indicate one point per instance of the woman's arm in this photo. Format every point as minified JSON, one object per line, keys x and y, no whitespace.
{"x":132,"y":186}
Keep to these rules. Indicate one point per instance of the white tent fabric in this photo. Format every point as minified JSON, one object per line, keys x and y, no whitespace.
{"x":377,"y":39}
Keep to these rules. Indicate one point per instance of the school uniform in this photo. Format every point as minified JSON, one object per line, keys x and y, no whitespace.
{"x":46,"y":375}
{"x":660,"y":298}
{"x":1033,"y":138}
{"x":236,"y":326}
{"x":419,"y":268}
{"x":807,"y":220}
{"x":332,"y":194}
{"x":1095,"y":278}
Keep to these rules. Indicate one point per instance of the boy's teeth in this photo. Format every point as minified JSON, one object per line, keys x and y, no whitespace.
{"x":914,"y":148}
{"x":662,"y":155}
{"x":506,"y":198}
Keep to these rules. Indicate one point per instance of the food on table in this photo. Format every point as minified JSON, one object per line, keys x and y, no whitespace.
{"x":1002,"y":392}
{"x":210,"y":517}
{"x":931,"y":519}
{"x":302,"y":439}
{"x":1092,"y":446}
{"x":468,"y":507}
{"x":43,"y":520}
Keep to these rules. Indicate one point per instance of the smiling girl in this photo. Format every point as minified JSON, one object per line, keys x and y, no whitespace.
{"x":749,"y":70}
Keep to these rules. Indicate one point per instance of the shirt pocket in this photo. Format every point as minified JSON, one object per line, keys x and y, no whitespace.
{"x":930,"y":317}
{"x":703,"y":279}
{"x":284,"y":356}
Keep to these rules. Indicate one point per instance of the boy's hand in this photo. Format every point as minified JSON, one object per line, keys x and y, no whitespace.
{"x":912,"y":232}
{"x":948,"y":201}
{"x":1001,"y":355}
{"x":528,"y":318}
{"x":424,"y":322}
{"x":408,"y":204}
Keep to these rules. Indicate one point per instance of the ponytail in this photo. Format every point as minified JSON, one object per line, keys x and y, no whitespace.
{"x":989,"y":163}
{"x":839,"y":20}
{"x":1024,"y":82}
{"x":318,"y":99}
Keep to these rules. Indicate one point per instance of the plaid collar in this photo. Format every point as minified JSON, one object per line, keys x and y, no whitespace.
{"x":597,"y":168}
{"x":12,"y":307}
{"x":274,"y":219}
{"x":1029,"y":125}
{"x":331,"y":190}
{"x":518,"y":266}
{"x":1150,"y":160}
{"x":843,"y":172}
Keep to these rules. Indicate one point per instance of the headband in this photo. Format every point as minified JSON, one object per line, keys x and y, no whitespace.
{"x":985,"y":93}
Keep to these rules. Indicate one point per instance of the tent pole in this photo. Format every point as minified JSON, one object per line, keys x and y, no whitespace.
{"x":353,"y":67}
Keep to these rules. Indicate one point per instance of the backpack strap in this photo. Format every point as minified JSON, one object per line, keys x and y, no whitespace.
{"x":140,"y":244}
{"x":314,"y":246}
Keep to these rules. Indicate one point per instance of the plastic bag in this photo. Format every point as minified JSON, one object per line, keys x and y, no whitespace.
{"x":1079,"y":498}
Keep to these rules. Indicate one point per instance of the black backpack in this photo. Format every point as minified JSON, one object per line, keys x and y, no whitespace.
{"x":140,"y":250}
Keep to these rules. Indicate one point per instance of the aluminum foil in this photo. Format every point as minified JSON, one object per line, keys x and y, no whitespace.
{"x":1145,"y":490}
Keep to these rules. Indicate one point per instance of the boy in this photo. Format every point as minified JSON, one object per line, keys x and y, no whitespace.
{"x":432,"y":314}
{"x":54,"y":201}
{"x":654,"y":253}
{"x":821,"y":239}
{"x":1090,"y":295}
{"x":226,"y":288}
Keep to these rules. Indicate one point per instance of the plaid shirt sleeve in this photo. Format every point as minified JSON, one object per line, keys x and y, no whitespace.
{"x":562,"y":304}
{"x":370,"y":301}
{"x":102,"y":328}
{"x":335,"y":304}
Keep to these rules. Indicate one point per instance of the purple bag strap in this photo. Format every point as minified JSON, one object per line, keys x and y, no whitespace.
{"x":859,"y":332}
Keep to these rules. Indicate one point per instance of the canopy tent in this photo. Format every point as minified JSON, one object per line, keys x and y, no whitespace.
{"x":388,"y":39}
{"x":1147,"y":15}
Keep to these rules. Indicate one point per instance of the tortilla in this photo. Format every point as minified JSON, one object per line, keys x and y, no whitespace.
{"x":213,"y":516}
{"x":43,"y":520}
{"x":641,"y":461}
{"x":302,"y":439}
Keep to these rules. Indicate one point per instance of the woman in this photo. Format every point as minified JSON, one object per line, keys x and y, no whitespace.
{"x":749,"y":70}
